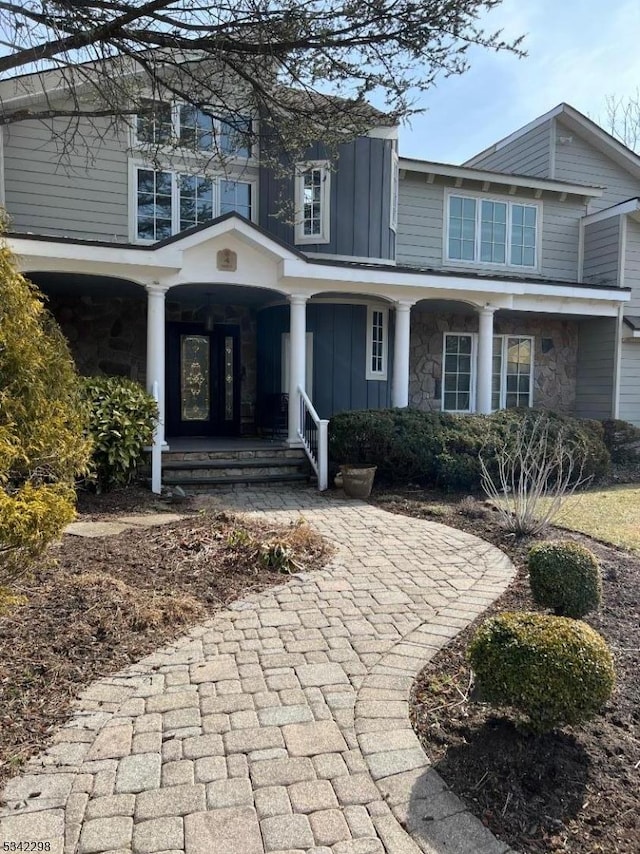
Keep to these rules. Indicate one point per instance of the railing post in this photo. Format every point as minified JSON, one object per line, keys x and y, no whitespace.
{"x":323,"y":454}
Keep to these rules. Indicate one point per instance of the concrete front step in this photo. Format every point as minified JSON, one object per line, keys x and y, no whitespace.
{"x":205,"y":469}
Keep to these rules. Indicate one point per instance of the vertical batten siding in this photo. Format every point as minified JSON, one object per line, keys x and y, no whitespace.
{"x":360,"y":201}
{"x":339,"y":357}
{"x":602,"y":252}
{"x":527,"y":155}
{"x":595,"y":380}
{"x":577,"y":161}
{"x":84,"y":196}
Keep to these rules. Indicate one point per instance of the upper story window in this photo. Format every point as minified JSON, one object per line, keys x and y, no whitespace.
{"x":165,"y":203}
{"x":492,"y":231}
{"x":312,"y":195}
{"x":184,"y":125}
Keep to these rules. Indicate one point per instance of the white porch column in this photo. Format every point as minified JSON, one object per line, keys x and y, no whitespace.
{"x":402,"y":333}
{"x":485,"y":360}
{"x":156,"y":349}
{"x":297,"y":361}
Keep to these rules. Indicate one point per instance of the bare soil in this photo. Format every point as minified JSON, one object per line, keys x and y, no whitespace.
{"x":575,"y":790}
{"x":96,"y":605}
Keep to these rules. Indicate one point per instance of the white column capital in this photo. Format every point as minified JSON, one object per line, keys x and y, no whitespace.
{"x":155,"y":289}
{"x":403,"y":305}
{"x":298,"y":299}
{"x":487,"y":310}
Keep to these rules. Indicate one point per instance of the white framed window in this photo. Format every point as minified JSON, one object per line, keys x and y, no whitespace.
{"x":459,"y":372}
{"x":493,"y":231}
{"x":167,"y":123}
{"x":163,"y":203}
{"x":377,"y":342}
{"x":312,"y":199}
{"x":393,"y":211}
{"x":512,"y":378}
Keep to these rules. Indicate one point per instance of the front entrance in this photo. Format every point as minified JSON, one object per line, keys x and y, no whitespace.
{"x":203,"y":380}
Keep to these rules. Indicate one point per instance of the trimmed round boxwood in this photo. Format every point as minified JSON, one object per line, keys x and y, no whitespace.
{"x":565,"y":576}
{"x":554,"y":670}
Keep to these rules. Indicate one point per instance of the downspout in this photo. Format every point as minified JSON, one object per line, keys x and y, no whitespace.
{"x":622,"y":255}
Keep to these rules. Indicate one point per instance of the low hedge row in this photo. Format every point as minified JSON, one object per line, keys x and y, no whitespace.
{"x":441,"y":449}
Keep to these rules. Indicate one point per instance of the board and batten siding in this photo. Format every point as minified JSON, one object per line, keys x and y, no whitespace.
{"x":82,"y":194}
{"x":360,"y":201}
{"x":529,"y":154}
{"x":421,"y":227}
{"x":602,"y":252}
{"x":339,"y":357}
{"x":579,"y":162}
{"x":597,"y":343}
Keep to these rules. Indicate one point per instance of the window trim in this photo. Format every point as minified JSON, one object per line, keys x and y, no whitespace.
{"x":451,"y":192}
{"x":474,"y":369}
{"x":395,"y":191}
{"x":215,"y":177}
{"x":325,"y":200}
{"x":370,"y":374}
{"x":503,"y":366}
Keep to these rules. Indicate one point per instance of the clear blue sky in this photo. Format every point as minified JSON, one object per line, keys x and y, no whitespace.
{"x":580,"y":51}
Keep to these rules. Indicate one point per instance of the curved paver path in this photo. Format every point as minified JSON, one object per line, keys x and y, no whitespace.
{"x":281,"y":724}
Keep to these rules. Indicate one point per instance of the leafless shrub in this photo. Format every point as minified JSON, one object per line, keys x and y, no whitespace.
{"x":536,"y":472}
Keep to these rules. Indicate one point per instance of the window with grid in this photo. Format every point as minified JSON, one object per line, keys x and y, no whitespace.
{"x":196,"y":129}
{"x":235,"y":136}
{"x":491,"y":231}
{"x":312,"y":192}
{"x":154,"y":123}
{"x":312,"y":202}
{"x":512,"y":379}
{"x":458,"y":373}
{"x":167,"y":202}
{"x":377,"y":323}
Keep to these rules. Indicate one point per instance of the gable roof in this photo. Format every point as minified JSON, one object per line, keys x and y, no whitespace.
{"x":583,"y":126}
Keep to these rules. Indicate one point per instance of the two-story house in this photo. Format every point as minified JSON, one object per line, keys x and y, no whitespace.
{"x":508,"y":281}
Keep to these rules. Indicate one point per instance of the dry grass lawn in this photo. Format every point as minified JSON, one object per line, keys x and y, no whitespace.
{"x":611,"y":514}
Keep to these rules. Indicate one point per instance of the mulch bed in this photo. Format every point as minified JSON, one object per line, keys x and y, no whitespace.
{"x":96,"y":605}
{"x":575,"y":790}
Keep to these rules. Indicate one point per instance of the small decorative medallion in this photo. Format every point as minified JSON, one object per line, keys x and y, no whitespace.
{"x":227,"y":260}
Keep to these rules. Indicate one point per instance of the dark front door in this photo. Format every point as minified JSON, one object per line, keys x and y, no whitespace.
{"x":203,"y":380}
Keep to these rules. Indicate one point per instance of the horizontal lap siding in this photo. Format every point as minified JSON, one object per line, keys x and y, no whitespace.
{"x":84,"y":195}
{"x":596,"y":367}
{"x":601,"y":252}
{"x":420,"y":222}
{"x":629,"y":405}
{"x":527,"y":155}
{"x":560,"y":234}
{"x":579,"y":162}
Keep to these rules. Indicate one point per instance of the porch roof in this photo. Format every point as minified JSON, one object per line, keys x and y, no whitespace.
{"x":266,"y":262}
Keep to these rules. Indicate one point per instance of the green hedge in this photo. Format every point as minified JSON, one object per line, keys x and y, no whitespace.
{"x":121,"y":419}
{"x":623,"y":441}
{"x":440,"y":449}
{"x":554,"y":670}
{"x":565,"y":576}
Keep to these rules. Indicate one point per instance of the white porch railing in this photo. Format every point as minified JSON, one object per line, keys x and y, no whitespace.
{"x":314,"y":433}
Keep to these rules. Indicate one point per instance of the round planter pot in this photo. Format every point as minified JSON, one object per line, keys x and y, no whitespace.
{"x":357,"y":481}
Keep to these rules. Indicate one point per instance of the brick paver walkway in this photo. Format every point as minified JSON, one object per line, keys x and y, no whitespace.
{"x":280,"y":725}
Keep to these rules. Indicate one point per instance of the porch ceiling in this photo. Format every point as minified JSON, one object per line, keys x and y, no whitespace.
{"x":75,"y":284}
{"x":228,"y":294}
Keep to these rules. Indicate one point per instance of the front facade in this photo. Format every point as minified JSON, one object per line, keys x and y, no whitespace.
{"x":509,"y":281}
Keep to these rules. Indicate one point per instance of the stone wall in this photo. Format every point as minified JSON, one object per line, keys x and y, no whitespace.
{"x":555,"y":356}
{"x":106,"y":335}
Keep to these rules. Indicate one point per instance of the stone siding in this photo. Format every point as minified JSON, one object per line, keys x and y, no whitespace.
{"x":555,"y":363}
